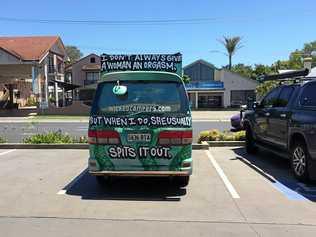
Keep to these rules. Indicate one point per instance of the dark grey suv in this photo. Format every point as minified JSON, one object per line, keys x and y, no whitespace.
{"x":285,"y":123}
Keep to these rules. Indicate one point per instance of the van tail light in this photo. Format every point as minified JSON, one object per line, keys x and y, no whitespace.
{"x":175,"y":138}
{"x":104,"y":137}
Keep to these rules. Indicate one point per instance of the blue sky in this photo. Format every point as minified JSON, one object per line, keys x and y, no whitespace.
{"x":271,"y":29}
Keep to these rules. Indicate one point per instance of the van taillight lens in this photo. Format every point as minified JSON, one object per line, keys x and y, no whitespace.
{"x":175,"y":138}
{"x":103,"y":137}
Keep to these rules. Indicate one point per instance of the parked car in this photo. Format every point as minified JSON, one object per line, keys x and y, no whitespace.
{"x":285,"y":123}
{"x":236,"y":122}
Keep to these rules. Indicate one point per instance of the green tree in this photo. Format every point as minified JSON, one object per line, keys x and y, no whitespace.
{"x":73,"y":53}
{"x":296,"y":58}
{"x":243,"y":70}
{"x":261,"y":69}
{"x":186,"y":79}
{"x":252,"y":72}
{"x":263,"y":88}
{"x":295,"y":61}
{"x":231,"y":44}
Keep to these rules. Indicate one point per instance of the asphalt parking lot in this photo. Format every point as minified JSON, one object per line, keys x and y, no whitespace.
{"x":50,"y":193}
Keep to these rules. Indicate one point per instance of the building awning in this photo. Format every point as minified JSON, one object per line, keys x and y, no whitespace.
{"x":205,"y":86}
{"x":65,"y":85}
{"x":205,"y":90}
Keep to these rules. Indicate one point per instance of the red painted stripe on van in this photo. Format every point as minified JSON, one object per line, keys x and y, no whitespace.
{"x":92,"y":133}
{"x":108,"y":134}
{"x":176,"y":134}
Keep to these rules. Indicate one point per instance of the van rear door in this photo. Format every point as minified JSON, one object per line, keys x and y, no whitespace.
{"x":148,"y":128}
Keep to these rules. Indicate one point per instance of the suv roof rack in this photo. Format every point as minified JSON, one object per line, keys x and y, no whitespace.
{"x":286,"y":76}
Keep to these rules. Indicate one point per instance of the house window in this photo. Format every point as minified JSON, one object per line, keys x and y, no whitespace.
{"x":51,"y":68}
{"x":92,"y":60}
{"x":93,"y":76}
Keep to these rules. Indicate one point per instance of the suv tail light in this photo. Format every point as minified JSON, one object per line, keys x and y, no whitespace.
{"x":175,"y":138}
{"x":103,"y":137}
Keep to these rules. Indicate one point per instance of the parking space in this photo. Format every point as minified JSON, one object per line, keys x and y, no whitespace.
{"x":230,"y":193}
{"x":268,"y":191}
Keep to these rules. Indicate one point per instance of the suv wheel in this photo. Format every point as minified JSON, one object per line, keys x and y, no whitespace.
{"x":250,"y":141}
{"x":299,"y":161}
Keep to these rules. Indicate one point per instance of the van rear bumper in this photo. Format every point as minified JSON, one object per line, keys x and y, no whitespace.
{"x":140,"y":173}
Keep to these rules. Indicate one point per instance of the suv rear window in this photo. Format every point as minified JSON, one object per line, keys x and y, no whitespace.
{"x":141,"y":96}
{"x":308,"y":97}
{"x":271,"y":98}
{"x":285,"y":96}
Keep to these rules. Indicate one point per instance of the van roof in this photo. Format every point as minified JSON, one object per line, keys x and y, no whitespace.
{"x":140,"y":75}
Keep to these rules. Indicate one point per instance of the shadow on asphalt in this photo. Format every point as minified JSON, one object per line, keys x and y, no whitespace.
{"x":278,"y":171}
{"x":131,"y":189}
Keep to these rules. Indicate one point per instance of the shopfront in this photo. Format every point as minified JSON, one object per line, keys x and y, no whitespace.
{"x":204,"y":95}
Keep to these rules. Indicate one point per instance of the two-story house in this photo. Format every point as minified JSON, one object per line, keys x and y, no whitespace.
{"x":32,"y":66}
{"x":84,"y":72}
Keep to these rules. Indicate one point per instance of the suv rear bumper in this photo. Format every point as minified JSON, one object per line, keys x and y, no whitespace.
{"x":141,"y":173}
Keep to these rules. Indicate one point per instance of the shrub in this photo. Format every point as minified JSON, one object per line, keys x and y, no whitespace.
{"x":31,"y":101}
{"x":215,"y":135}
{"x":54,"y":138}
{"x":2,"y":140}
{"x":49,"y":138}
{"x":240,"y":136}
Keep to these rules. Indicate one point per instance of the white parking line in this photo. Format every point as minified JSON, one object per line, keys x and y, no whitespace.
{"x":224,"y":178}
{"x":6,"y":152}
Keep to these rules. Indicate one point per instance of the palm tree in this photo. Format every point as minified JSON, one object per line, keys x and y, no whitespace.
{"x":232,"y":44}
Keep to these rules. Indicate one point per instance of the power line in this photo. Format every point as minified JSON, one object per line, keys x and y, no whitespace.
{"x":122,"y":22}
{"x":184,"y":21}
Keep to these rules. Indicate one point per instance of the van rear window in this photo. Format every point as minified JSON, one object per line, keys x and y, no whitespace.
{"x":141,"y":96}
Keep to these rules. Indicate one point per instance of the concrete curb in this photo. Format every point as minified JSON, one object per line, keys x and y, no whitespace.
{"x":225,"y":143}
{"x":43,"y":146}
{"x":70,"y":146}
{"x":200,"y":146}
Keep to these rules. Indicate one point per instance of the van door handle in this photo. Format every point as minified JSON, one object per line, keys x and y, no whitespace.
{"x":267,"y":114}
{"x":283,"y":115}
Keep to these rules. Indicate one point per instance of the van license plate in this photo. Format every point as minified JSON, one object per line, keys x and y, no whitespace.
{"x":139,"y":137}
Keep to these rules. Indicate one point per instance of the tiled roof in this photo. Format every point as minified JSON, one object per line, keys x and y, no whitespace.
{"x":28,"y":48}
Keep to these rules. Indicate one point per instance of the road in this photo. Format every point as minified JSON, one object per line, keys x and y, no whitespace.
{"x":50,"y":193}
{"x":15,"y":132}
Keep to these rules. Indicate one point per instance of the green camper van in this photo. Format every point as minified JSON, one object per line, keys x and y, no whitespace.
{"x":141,"y":125}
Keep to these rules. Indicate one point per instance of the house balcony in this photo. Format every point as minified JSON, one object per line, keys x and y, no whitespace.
{"x":55,"y":70}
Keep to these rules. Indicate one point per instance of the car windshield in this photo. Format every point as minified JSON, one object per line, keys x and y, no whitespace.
{"x":141,"y":97}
